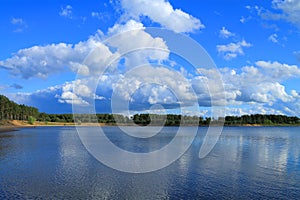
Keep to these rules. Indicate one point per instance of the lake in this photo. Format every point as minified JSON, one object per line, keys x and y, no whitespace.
{"x":246,"y":163}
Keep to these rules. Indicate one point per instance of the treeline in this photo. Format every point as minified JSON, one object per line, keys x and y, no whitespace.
{"x":13,"y":111}
{"x":257,"y":119}
{"x":261,"y":120}
{"x":170,"y":119}
{"x":112,"y":119}
{"x":83,"y":118}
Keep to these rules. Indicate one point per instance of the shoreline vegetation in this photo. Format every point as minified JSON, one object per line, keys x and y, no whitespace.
{"x":13,"y":125}
{"x":13,"y":115}
{"x":52,"y":120}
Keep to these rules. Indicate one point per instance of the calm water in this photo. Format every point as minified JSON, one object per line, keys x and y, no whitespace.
{"x":246,"y":163}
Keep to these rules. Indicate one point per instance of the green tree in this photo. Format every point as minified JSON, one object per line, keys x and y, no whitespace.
{"x":31,"y":120}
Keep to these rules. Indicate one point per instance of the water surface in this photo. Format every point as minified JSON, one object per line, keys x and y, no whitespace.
{"x":246,"y":163}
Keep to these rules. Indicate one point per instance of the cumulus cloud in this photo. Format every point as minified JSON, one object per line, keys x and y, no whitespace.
{"x":24,"y":61}
{"x":294,"y":93}
{"x":167,"y":82}
{"x":254,"y":109}
{"x":269,"y":93}
{"x":90,"y":59}
{"x":128,"y":26}
{"x":288,"y":10}
{"x":80,"y":92}
{"x":232,"y":50}
{"x":162,"y":12}
{"x":71,"y":98}
{"x":144,"y":48}
{"x":276,"y":71}
{"x":224,"y":33}
{"x":42,"y":61}
{"x":258,"y":88}
{"x":261,"y":85}
{"x":38,"y":61}
{"x":132,"y":77}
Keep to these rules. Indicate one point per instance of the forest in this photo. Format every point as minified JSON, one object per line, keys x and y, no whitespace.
{"x":10,"y":110}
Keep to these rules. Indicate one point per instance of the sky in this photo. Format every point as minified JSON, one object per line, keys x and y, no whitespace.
{"x":55,"y":55}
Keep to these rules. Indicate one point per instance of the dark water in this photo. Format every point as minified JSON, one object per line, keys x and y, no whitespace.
{"x":246,"y":163}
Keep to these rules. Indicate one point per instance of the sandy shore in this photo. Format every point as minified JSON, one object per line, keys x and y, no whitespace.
{"x":12,"y":125}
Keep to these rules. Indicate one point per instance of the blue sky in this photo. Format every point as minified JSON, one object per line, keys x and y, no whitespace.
{"x":254,"y":44}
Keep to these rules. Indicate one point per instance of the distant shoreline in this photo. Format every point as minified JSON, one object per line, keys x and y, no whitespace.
{"x":13,"y":125}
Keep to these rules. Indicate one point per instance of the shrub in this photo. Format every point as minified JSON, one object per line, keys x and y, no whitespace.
{"x":31,"y":120}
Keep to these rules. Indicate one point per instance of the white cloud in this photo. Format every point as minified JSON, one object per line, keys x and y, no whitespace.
{"x":288,"y":10}
{"x":41,"y":61}
{"x":71,"y":98}
{"x":162,"y":12}
{"x":78,"y":92}
{"x":100,"y":15}
{"x":154,"y":85}
{"x":145,"y":86}
{"x":277,"y":71}
{"x":269,"y":93}
{"x":19,"y":24}
{"x":144,"y":47}
{"x":224,"y":33}
{"x":96,"y":14}
{"x":38,"y":61}
{"x":232,"y":50}
{"x":66,"y":11}
{"x":97,"y":97}
{"x":17,"y":21}
{"x":295,"y":94}
{"x":258,"y":88}
{"x":128,"y":26}
{"x":261,"y":84}
{"x":243,"y":19}
{"x":256,"y":109}
{"x":273,"y":38}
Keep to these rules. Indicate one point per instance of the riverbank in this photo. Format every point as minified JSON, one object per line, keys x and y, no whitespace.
{"x":11,"y":125}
